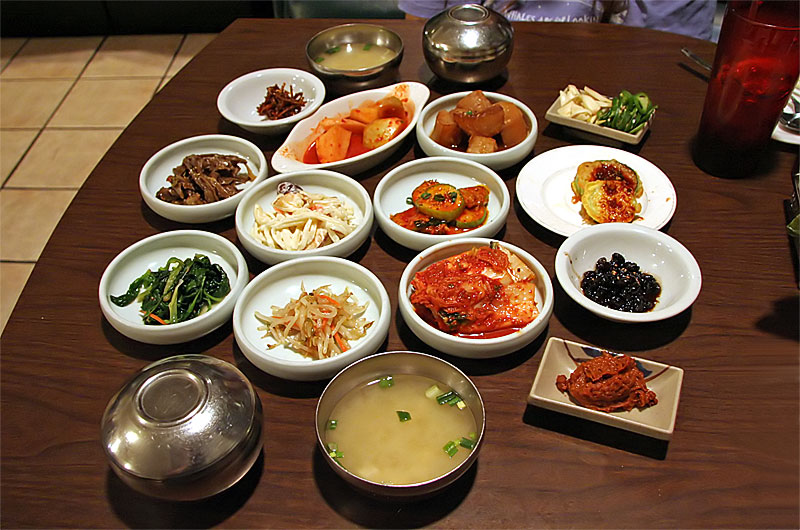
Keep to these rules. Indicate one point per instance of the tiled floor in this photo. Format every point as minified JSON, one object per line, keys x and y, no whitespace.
{"x":63,"y":102}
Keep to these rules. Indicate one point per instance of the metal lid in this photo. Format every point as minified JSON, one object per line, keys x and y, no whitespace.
{"x":468,"y":32}
{"x":178,"y":417}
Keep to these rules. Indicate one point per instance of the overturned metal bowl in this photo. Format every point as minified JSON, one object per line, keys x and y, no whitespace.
{"x":184,"y":428}
{"x":467,"y":43}
{"x":346,"y":81}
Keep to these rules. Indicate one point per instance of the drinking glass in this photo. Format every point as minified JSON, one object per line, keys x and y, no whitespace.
{"x":755,"y":69}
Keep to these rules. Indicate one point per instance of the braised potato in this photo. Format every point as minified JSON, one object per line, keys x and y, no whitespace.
{"x":487,"y":122}
{"x":475,"y":101}
{"x":514,"y":127}
{"x":481,"y":144}
{"x":446,"y":131}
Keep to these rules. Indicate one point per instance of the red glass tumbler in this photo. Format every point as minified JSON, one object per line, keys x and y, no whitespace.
{"x":755,"y":69}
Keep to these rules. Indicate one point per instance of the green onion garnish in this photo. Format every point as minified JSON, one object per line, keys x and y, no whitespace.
{"x":333,"y":447}
{"x":336,"y":454}
{"x":409,"y":200}
{"x":332,"y":424}
{"x":425,"y":195}
{"x":403,"y":415}
{"x":467,"y":443}
{"x":367,"y":47}
{"x":386,"y":382}
{"x":333,"y":50}
{"x":432,"y":391}
{"x":454,"y":400}
{"x":473,"y":436}
{"x":450,"y":448}
{"x":441,"y":399}
{"x":319,"y":59}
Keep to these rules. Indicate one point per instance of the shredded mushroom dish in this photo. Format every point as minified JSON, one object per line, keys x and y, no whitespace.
{"x":302,"y":221}
{"x":319,"y":324}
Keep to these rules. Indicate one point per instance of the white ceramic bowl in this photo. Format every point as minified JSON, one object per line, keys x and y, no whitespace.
{"x":154,"y":175}
{"x":655,"y":252}
{"x":496,"y":161}
{"x":312,"y":181}
{"x":393,"y":190}
{"x":469,"y":347}
{"x":279,"y":284}
{"x":239,"y":100}
{"x":289,"y":156}
{"x":153,"y":253}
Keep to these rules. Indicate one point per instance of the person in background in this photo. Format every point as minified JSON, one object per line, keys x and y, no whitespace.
{"x":687,"y":17}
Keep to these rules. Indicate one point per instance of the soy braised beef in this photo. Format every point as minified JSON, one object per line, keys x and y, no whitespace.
{"x":203,"y":179}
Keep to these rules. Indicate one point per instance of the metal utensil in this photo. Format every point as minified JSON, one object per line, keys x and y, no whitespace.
{"x":791,"y":120}
{"x":691,"y":55}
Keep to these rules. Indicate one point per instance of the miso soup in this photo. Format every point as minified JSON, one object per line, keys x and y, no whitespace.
{"x":394,"y":430}
{"x":355,"y":56}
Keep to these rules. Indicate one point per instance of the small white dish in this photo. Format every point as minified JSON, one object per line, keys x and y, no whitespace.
{"x":394,"y":188}
{"x":328,"y":183}
{"x":655,"y":252}
{"x":474,"y":348}
{"x":239,"y":100}
{"x":279,"y":284}
{"x":561,"y":357}
{"x":153,"y":253}
{"x":289,"y":156}
{"x":497,"y":161}
{"x":154,"y":175}
{"x":544,"y":188}
{"x":606,"y":132}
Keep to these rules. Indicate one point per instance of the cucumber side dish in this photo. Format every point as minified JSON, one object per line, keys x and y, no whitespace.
{"x":179,"y":291}
{"x":628,"y":112}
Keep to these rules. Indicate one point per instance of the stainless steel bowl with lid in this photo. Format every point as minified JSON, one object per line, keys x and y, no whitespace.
{"x":183,"y":428}
{"x":467,"y":43}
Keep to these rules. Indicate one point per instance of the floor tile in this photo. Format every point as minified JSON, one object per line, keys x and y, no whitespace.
{"x":13,"y":277}
{"x":54,"y":57}
{"x":8,"y":47}
{"x":192,"y":44}
{"x":62,"y":158}
{"x":27,"y":219}
{"x":133,"y":56}
{"x":30,"y":103}
{"x":13,"y":144}
{"x":104,"y":102}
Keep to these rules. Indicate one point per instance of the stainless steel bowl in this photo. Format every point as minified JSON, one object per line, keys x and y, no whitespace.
{"x":341,"y":82}
{"x":376,"y":366}
{"x":467,"y":43}
{"x":184,"y":428}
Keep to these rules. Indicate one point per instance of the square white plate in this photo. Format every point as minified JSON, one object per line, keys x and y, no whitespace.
{"x":561,"y":357}
{"x":607,"y":132}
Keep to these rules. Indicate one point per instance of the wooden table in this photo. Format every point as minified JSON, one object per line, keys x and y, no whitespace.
{"x":733,"y":460}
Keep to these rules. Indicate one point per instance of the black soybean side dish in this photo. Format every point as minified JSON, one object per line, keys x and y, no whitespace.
{"x":621,"y":285}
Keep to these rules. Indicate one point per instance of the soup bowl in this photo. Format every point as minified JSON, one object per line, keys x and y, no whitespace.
{"x":381,"y":365}
{"x":359,"y":75}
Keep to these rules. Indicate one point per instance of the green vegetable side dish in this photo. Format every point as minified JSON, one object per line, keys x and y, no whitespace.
{"x":628,"y":112}
{"x":179,"y":291}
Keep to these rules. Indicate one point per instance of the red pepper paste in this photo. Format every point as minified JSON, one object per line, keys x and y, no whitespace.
{"x":608,"y":383}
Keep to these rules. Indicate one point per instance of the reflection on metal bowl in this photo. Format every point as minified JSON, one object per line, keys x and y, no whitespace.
{"x":468,"y":43}
{"x":184,"y":428}
{"x":345,"y":81}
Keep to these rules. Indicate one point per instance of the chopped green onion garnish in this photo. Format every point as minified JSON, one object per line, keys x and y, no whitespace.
{"x":409,"y":200}
{"x":319,"y":59}
{"x":367,"y":46}
{"x":461,"y":405}
{"x":336,"y":454}
{"x":332,"y":424}
{"x":330,"y":51}
{"x":473,"y":436}
{"x":467,"y":443}
{"x":453,"y":400}
{"x":333,"y":447}
{"x":432,"y":391}
{"x":450,"y":448}
{"x":403,"y":415}
{"x":425,"y":195}
{"x":386,"y":382}
{"x":444,"y":398}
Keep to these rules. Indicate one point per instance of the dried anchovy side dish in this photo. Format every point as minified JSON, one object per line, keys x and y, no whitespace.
{"x":179,"y":291}
{"x":281,"y":103}
{"x":204,"y":179}
{"x":319,"y":324}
